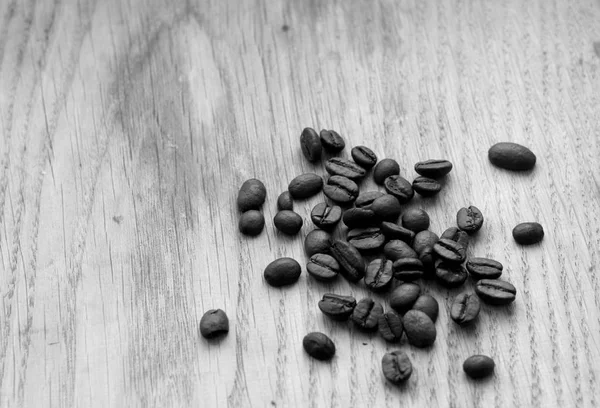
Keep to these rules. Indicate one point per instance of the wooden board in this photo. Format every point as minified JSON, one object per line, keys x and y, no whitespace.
{"x":126,"y":128}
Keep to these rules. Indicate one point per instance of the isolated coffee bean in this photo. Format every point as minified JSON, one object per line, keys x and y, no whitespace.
{"x":478,"y":366}
{"x":484,"y":268}
{"x":390,"y":326}
{"x":528,"y":233}
{"x":384,"y":169}
{"x":337,"y":166}
{"x":428,"y":305}
{"x":252,"y":195}
{"x":337,"y":307}
{"x":433,"y":168}
{"x":323,"y":267}
{"x":251,"y":223}
{"x":450,"y":275}
{"x":387,"y":207}
{"x":317,"y":242}
{"x":450,"y":251}
{"x":419,"y":328}
{"x":364,"y":200}
{"x":288,"y":222}
{"x":366,"y":314}
{"x":415,"y":219}
{"x":495,"y":292}
{"x":396,"y":367}
{"x":285,"y":201}
{"x":326,"y":216}
{"x":426,"y":187}
{"x":397,"y":249}
{"x":394,"y":231}
{"x":214,"y":323}
{"x":359,"y":218}
{"x":469,"y":219}
{"x":400,"y":188}
{"x":332,"y":141}
{"x":310,"y":144}
{"x":341,"y":189}
{"x":408,"y":269}
{"x":282,"y":272}
{"x":364,"y":156}
{"x":305,"y":185}
{"x":379,"y":274}
{"x":351,"y":261}
{"x":366,"y":239}
{"x":404,"y":296}
{"x":465,"y":308}
{"x":318,"y":346}
{"x":511,"y":156}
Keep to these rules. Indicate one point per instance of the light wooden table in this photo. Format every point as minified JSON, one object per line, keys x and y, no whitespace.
{"x":127,"y":127}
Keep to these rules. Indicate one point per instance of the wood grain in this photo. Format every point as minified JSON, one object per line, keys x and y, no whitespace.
{"x":126,"y":128}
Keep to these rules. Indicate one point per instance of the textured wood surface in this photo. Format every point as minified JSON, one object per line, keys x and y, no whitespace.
{"x":126,"y":128}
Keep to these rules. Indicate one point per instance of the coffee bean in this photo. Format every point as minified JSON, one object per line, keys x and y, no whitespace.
{"x":251,"y":223}
{"x":419,"y":328}
{"x":341,"y":189}
{"x":285,"y":202}
{"x":426,"y":187}
{"x":282,"y":272}
{"x":252,"y":195}
{"x":400,"y":188}
{"x":366,"y":314}
{"x":365,"y":200}
{"x":423,"y":245}
{"x":456,"y":235}
{"x":465,"y":308}
{"x":342,"y":167}
{"x":433,"y":168}
{"x":394,"y":231}
{"x":318,"y":346}
{"x":396,"y":367}
{"x":450,"y":275}
{"x":326,"y":216}
{"x":337,"y":307}
{"x":528,"y":233}
{"x":469,"y":219}
{"x":359,"y":218}
{"x":366,"y":239}
{"x":305,"y":185}
{"x":352,"y":263}
{"x":390,"y":326}
{"x":478,"y":366}
{"x":450,"y":251}
{"x":495,"y":292}
{"x":364,"y":156}
{"x":404,"y":296}
{"x":428,"y":305}
{"x":511,"y":156}
{"x":384,"y":169}
{"x":378,"y":275}
{"x":332,"y":141}
{"x":214,"y":323}
{"x":397,"y":249}
{"x":288,"y":222}
{"x":387,"y":207}
{"x":408,"y":269}
{"x":323,"y":267}
{"x":317,"y":242}
{"x":310,"y":144}
{"x":415,"y":219}
{"x":484,"y":268}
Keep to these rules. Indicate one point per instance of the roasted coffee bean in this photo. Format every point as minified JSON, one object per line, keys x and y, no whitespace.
{"x":478,"y":366}
{"x":387,"y":207}
{"x":288,"y":222}
{"x":366,"y":314}
{"x":366,"y":239}
{"x":465,"y":308}
{"x":419,"y":328}
{"x":351,"y":261}
{"x":400,"y":188}
{"x":282,"y":272}
{"x":337,"y":307}
{"x":384,"y":169}
{"x":379,"y":274}
{"x":317,"y":242}
{"x":252,"y":195}
{"x":495,"y":292}
{"x":396,"y":367}
{"x":365,"y":200}
{"x":364,"y":156}
{"x":408,"y":269}
{"x":433,"y":168}
{"x":397,"y":249}
{"x":450,"y":251}
{"x":469,"y":219}
{"x":323,"y":267}
{"x":415,"y":220}
{"x":394,"y":231}
{"x":456,"y":235}
{"x":426,"y":187}
{"x":318,"y":346}
{"x":359,"y":218}
{"x":404,"y":296}
{"x":342,"y":167}
{"x":305,"y":185}
{"x":390,"y":326}
{"x":341,"y":189}
{"x":214,"y":323}
{"x":450,"y":275}
{"x":528,"y":233}
{"x":332,"y":141}
{"x":423,"y":245}
{"x":251,"y":222}
{"x":285,"y":202}
{"x":310,"y":144}
{"x":484,"y":268}
{"x":511,"y":156}
{"x":428,"y":305}
{"x":326,"y":216}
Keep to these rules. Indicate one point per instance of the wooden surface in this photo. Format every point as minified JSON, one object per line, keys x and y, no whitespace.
{"x":126,"y":128}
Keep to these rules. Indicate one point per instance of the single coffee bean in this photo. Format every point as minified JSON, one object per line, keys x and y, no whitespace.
{"x":351,"y":261}
{"x":364,"y":156}
{"x":408,"y":269}
{"x":379,"y":274}
{"x":317,"y":242}
{"x":337,"y":307}
{"x":433,"y":168}
{"x":252,"y":195}
{"x":326,"y":216}
{"x":478,"y":366}
{"x":450,"y":251}
{"x":251,"y":223}
{"x":390,"y":326}
{"x":415,"y":219}
{"x":495,"y":292}
{"x":282,"y":272}
{"x":305,"y":185}
{"x":465,"y":308}
{"x":342,"y":167}
{"x":428,"y":305}
{"x":332,"y":141}
{"x":394,"y":231}
{"x":404,"y":296}
{"x":419,"y":328}
{"x":387,"y":207}
{"x":484,"y":268}
{"x":511,"y":156}
{"x":318,"y":346}
{"x":528,"y":233}
{"x":426,"y":187}
{"x":456,"y":235}
{"x":214,"y":323}
{"x":400,"y":188}
{"x":469,"y":219}
{"x":310,"y":144}
{"x":397,"y":249}
{"x":366,"y":314}
{"x":288,"y":222}
{"x":285,"y":201}
{"x":423,"y":245}
{"x":359,"y":218}
{"x":323,"y":267}
{"x":365,"y":200}
{"x":366,"y":239}
{"x":396,"y":367}
{"x":341,"y":189}
{"x":450,"y":275}
{"x":384,"y":169}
